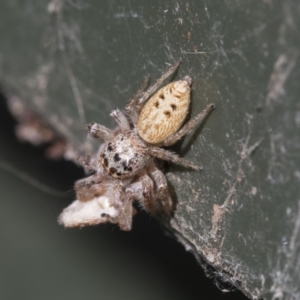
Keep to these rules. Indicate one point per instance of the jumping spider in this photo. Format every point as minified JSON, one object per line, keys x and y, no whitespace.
{"x":127,"y":167}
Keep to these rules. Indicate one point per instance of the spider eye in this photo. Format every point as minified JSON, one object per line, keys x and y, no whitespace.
{"x":117,"y":157}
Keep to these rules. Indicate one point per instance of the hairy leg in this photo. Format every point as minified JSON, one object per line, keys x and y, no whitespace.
{"x":99,"y":132}
{"x":135,"y":106}
{"x":126,"y":213}
{"x":162,"y":192}
{"x":172,"y":139}
{"x":89,"y":188}
{"x":121,"y":119}
{"x":90,"y":165}
{"x":130,"y":107}
{"x":142,"y":190}
{"x":158,"y":83}
{"x":172,"y":157}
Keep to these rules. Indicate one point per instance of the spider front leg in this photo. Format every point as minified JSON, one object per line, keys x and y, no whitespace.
{"x":98,"y":131}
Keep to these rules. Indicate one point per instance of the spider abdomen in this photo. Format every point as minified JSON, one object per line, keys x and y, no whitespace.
{"x":124,"y":156}
{"x":165,"y":112}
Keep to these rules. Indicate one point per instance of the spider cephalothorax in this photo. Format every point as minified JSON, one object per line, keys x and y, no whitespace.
{"x":125,"y":155}
{"x":126,"y":166}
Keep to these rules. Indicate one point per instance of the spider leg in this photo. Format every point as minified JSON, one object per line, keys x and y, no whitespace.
{"x":99,"y":132}
{"x":143,"y":191}
{"x":162,"y":191}
{"x":126,"y":213}
{"x":172,"y":139}
{"x":136,"y":106}
{"x":174,"y":158}
{"x":87,"y":163}
{"x":121,"y":119}
{"x":152,"y":89}
{"x":130,"y":110}
{"x":89,"y":188}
